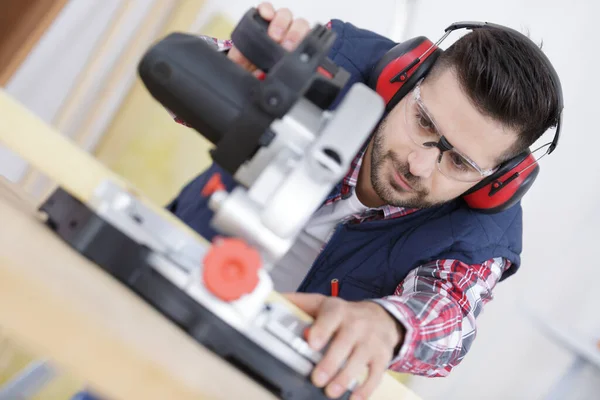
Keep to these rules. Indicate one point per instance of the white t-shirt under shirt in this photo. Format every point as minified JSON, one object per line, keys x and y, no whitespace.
{"x":293,"y":267}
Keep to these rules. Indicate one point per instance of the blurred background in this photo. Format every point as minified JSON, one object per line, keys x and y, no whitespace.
{"x":73,"y":63}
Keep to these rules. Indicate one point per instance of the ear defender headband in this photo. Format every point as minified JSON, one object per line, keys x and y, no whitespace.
{"x":399,"y":70}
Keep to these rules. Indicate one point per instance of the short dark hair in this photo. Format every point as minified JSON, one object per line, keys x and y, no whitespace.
{"x":507,"y":80}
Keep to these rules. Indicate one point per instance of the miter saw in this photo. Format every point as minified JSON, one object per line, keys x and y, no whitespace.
{"x":286,"y":150}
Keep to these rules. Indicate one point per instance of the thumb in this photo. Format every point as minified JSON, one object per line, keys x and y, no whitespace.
{"x":310,"y":303}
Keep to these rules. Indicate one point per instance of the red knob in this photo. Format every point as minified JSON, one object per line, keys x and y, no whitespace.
{"x":231,"y":268}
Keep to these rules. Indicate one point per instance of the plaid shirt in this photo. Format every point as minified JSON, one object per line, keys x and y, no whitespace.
{"x":437,"y":303}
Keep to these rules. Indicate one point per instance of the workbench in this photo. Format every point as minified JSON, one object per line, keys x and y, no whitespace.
{"x":68,"y":310}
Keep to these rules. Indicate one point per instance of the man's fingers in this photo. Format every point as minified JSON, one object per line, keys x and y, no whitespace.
{"x":266,"y":10}
{"x":377,"y":368}
{"x":298,"y":30}
{"x":328,"y":320}
{"x":355,"y":366}
{"x":326,"y":311}
{"x":282,"y":27}
{"x":310,"y":303}
{"x":339,"y":350}
{"x":280,"y":24}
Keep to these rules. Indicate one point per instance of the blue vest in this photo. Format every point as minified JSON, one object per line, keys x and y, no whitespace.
{"x":371,"y":258}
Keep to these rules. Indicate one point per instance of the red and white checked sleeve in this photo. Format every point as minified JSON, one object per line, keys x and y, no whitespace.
{"x":438,"y":304}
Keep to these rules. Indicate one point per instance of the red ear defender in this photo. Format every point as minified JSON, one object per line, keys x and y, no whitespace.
{"x":506,"y":186}
{"x":399,"y":70}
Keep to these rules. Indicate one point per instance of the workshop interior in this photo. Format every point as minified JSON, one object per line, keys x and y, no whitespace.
{"x":121,"y":89}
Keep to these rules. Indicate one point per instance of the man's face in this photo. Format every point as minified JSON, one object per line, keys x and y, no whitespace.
{"x":406,"y":174}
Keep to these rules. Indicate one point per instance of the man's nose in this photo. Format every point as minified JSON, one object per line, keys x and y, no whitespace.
{"x":422,"y":162}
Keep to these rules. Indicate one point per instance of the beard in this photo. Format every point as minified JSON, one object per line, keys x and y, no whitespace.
{"x":387,"y":189}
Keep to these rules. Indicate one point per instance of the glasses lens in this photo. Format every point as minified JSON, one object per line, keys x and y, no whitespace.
{"x":419,"y":126}
{"x":455,"y":166}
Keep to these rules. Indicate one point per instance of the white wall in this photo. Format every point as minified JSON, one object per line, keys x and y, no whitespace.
{"x":314,"y":11}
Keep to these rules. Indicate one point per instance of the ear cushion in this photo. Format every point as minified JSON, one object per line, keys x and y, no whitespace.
{"x":386,"y":78}
{"x":505,"y":187}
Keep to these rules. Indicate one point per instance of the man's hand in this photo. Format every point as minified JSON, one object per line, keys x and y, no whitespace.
{"x":364,"y":337}
{"x":283,"y":29}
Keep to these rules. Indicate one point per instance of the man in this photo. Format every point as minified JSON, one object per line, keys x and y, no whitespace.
{"x":414,"y":264}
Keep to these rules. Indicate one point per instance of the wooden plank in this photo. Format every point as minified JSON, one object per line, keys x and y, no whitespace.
{"x":91,"y":324}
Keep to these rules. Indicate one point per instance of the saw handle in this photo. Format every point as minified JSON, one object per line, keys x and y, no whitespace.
{"x":224,"y":102}
{"x":251,"y":38}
